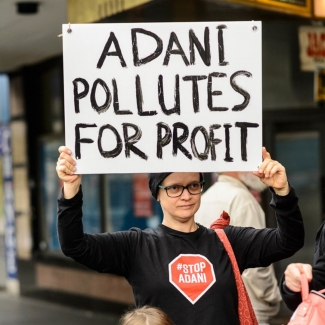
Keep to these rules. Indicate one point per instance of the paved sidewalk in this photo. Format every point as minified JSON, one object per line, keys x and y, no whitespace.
{"x":21,"y":310}
{"x":18,"y":310}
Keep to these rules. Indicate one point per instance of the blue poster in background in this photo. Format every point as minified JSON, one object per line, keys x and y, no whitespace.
{"x":121,"y":210}
{"x":50,"y":187}
{"x":10,"y":227}
{"x":91,"y":206}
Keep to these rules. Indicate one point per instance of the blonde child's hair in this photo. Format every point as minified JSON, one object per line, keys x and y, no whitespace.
{"x":145,"y":315}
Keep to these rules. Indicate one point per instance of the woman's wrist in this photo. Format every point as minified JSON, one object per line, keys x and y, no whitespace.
{"x":70,"y":190}
{"x":287,"y":290}
{"x":282,"y":191}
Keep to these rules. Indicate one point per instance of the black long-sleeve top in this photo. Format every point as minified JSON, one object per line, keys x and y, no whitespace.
{"x":293,"y":299}
{"x":188,"y":275}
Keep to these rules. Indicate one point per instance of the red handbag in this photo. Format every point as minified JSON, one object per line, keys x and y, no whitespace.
{"x":311,"y":311}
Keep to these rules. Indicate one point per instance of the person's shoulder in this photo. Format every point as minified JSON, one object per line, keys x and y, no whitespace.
{"x":244,"y":197}
{"x":221,"y":189}
{"x":234,"y":195}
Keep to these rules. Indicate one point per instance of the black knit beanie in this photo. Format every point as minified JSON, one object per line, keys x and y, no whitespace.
{"x":156,"y":179}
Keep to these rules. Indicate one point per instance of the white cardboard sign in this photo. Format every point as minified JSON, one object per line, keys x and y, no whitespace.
{"x":159,"y":97}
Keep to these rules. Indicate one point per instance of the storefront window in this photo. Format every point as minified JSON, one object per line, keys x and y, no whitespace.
{"x":123,"y":211}
{"x":299,"y":152}
{"x":50,"y":188}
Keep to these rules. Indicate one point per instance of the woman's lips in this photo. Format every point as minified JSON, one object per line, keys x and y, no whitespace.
{"x":186,"y":206}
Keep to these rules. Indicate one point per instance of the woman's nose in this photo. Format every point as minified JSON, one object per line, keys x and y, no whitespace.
{"x":186,"y":193}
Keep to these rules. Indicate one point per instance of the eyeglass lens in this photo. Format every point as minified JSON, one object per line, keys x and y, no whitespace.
{"x":177,"y":190}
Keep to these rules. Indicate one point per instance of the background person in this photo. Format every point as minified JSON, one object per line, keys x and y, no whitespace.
{"x":231,"y":193}
{"x":146,"y":257}
{"x":145,"y":315}
{"x":290,"y":286}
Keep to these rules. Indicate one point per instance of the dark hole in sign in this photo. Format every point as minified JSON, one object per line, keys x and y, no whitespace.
{"x":27,"y":7}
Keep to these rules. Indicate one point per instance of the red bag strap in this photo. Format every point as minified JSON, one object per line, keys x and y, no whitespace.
{"x":305,"y":287}
{"x":245,"y":309}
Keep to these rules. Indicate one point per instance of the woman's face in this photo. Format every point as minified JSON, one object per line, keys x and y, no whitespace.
{"x":184,"y":207}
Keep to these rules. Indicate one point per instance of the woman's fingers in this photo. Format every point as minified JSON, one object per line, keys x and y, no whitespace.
{"x":267,"y":167}
{"x":64,"y":149}
{"x":273,"y":174}
{"x":293,"y":275}
{"x":66,"y":165}
{"x":270,"y":167}
{"x":63,"y":167}
{"x":265,"y":154}
{"x":66,"y":168}
{"x":68,"y":162}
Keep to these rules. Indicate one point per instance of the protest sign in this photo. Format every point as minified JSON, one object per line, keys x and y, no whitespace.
{"x":157,"y":97}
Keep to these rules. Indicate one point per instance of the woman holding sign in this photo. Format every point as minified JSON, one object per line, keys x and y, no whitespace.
{"x":181,"y":267}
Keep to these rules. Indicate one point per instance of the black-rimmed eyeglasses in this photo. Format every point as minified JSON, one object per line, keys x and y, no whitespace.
{"x":177,"y":190}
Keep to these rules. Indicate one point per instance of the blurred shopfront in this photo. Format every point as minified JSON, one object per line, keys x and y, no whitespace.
{"x":293,"y":133}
